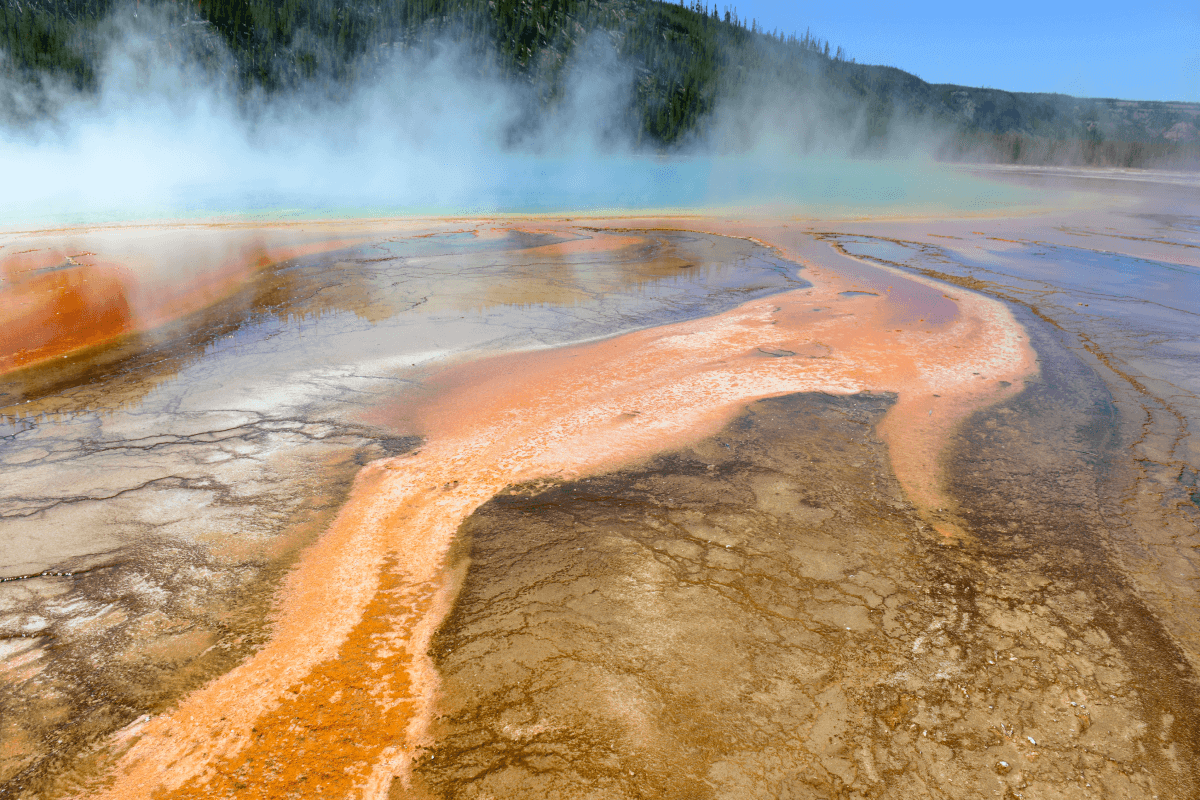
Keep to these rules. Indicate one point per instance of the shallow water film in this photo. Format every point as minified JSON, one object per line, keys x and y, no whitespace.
{"x":701,"y":506}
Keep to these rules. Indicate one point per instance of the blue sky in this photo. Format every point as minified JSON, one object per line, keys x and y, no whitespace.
{"x":1132,"y":50}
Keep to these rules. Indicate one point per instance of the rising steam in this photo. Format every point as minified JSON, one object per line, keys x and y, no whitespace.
{"x":426,"y":130}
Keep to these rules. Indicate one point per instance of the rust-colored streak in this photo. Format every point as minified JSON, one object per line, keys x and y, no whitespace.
{"x":53,"y":305}
{"x":330,"y":727}
{"x":64,"y":291}
{"x":342,"y":694}
{"x":350,"y":617}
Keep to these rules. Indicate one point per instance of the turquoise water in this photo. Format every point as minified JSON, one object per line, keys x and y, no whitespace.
{"x":511,"y":184}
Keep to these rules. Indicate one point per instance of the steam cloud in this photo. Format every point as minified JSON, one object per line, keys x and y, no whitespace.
{"x":168,"y":136}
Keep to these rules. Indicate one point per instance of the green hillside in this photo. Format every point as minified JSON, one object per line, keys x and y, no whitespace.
{"x":685,"y":60}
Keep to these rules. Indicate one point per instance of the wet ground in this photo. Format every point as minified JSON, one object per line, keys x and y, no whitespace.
{"x":764,"y":615}
{"x":1124,"y":294}
{"x":157,"y":486}
{"x":764,"y":610}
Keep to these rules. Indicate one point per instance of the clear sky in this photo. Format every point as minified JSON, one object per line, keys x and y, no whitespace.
{"x":1136,"y":49}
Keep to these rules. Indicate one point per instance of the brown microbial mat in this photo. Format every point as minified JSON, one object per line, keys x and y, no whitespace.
{"x":696,"y":507}
{"x":159,"y":483}
{"x":763,"y":615}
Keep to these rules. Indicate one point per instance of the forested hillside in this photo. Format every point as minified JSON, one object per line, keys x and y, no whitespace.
{"x":684,"y":60}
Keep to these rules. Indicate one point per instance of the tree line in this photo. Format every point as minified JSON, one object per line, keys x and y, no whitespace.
{"x":686,"y":56}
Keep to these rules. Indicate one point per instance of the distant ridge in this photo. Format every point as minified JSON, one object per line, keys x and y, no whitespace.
{"x":687,"y":61}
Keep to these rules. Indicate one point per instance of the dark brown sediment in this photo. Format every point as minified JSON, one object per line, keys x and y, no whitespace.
{"x":763,"y":615}
{"x":1039,"y":477}
{"x":643,"y":632}
{"x":1121,"y":291}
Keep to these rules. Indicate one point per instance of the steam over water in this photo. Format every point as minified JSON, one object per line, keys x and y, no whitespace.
{"x":503,"y":183}
{"x":168,"y":135}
